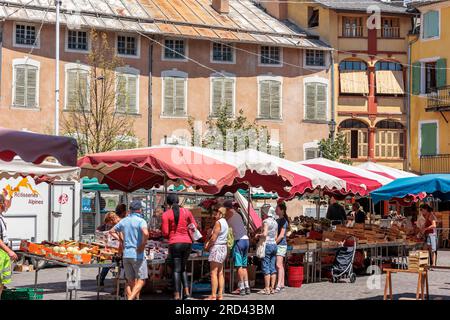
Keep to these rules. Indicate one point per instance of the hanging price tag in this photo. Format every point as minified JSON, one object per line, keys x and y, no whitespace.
{"x":73,"y":278}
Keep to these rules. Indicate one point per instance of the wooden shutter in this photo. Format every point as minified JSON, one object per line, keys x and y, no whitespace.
{"x":416,"y":77}
{"x":275,"y":95}
{"x":121,"y":93}
{"x":441,"y":73}
{"x":132,"y":94}
{"x":228,"y":88}
{"x":19,"y":86}
{"x":321,"y":102}
{"x":216,"y":96}
{"x":354,"y":82}
{"x":311,"y":153}
{"x":310,"y":101}
{"x":428,"y":139}
{"x":31,"y":86}
{"x":264,"y":99}
{"x":71,"y":90}
{"x":431,"y":24}
{"x":179,"y":109}
{"x":348,"y":141}
{"x":390,"y":82}
{"x":83,"y":90}
{"x":169,"y":98}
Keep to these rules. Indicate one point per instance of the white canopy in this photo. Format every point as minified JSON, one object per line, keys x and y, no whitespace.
{"x":18,"y":167}
{"x":386,"y":171}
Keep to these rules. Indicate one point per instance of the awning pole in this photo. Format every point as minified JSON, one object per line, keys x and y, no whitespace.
{"x":318,"y":206}
{"x":165,"y":191}
{"x":248,"y":208}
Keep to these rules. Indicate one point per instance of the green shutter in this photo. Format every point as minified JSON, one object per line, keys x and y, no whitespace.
{"x":441,"y":73}
{"x":416,"y":69}
{"x":428,"y":134}
{"x":431,"y":24}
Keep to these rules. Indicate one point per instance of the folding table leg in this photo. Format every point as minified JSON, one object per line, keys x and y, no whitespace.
{"x":419,"y":282}
{"x":386,"y":285}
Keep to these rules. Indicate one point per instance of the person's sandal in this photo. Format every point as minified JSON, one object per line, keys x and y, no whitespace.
{"x":219,"y":297}
{"x":211,"y":298}
{"x":272,"y":291}
{"x":277,"y":290}
{"x":264,"y":291}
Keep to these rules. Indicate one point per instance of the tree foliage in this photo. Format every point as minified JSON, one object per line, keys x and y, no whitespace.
{"x":335,"y":149}
{"x":91,"y":117}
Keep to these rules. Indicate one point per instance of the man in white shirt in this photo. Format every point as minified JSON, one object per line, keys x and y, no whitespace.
{"x":241,"y":246}
{"x":6,"y":254}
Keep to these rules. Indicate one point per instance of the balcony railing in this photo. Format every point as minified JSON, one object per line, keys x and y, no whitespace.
{"x":391,"y":32}
{"x":353,"y":32}
{"x":435,"y":164}
{"x":439,"y":99}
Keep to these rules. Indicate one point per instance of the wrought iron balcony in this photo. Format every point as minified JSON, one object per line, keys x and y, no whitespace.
{"x":439,"y":99}
{"x":439,"y":163}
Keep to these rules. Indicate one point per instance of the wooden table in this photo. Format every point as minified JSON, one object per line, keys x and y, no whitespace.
{"x":422,"y":282}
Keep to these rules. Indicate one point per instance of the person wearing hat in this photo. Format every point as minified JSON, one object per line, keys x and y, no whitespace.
{"x":241,"y":246}
{"x":270,"y":233}
{"x":6,"y":254}
{"x":135,"y":235}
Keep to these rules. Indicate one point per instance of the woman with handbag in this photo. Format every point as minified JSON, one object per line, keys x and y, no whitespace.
{"x":176,"y":225}
{"x":269,"y":233}
{"x":217,"y":247}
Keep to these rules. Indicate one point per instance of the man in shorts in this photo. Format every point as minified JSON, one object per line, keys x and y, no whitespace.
{"x":241,"y":246}
{"x":135,"y":236}
{"x":6,"y":254}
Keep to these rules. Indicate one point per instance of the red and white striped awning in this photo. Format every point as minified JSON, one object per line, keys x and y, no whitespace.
{"x":385,"y":171}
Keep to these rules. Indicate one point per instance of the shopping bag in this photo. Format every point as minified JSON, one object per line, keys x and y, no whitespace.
{"x":261,"y":248}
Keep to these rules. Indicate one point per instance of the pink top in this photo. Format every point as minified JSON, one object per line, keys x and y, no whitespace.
{"x":180,"y":234}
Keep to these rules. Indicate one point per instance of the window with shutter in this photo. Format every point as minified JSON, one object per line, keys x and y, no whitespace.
{"x":316,"y":101}
{"x":389,"y":140}
{"x":441,"y":73}
{"x":311,"y":153}
{"x":25,"y":86}
{"x":126,"y":100}
{"x":77,"y":89}
{"x":270,"y":99}
{"x":430,"y":24}
{"x":174,"y":96}
{"x":222,"y":95}
{"x":416,"y":77}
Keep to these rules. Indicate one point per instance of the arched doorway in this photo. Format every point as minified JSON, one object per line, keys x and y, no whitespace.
{"x":356,"y":134}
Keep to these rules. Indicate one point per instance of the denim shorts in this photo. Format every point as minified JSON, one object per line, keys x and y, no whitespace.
{"x":270,"y":259}
{"x":431,"y":241}
{"x":282,"y":250}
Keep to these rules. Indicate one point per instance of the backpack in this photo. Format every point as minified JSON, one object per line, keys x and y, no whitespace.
{"x":230,"y":239}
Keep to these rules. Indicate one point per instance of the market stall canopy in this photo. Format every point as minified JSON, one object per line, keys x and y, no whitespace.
{"x":385,"y":171}
{"x":45,"y":171}
{"x":34,"y":147}
{"x":437,"y":185}
{"x":356,"y":181}
{"x":255,"y":221}
{"x":208,"y":169}
{"x":93,"y":185}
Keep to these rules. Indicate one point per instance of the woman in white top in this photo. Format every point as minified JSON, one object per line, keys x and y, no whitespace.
{"x":217,"y":246}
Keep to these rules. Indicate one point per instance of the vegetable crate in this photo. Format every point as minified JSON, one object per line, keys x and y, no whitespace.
{"x":23,"y":294}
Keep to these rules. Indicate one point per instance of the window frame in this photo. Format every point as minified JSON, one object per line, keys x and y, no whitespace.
{"x":233,"y":51}
{"x":37,"y":44}
{"x":325,"y":59}
{"x":423,"y":83}
{"x":186,"y":50}
{"x":401,"y":130}
{"x":313,"y":10}
{"x":311,"y":145}
{"x":211,"y":80}
{"x":138,"y":45}
{"x":66,"y":46}
{"x":422,"y":19}
{"x":128,"y":71}
{"x":391,"y":19}
{"x":174,"y":74}
{"x":322,"y":81}
{"x":280,"y":62}
{"x":70,"y":66}
{"x":33,"y":63}
{"x":269,"y":78}
{"x":360,"y":24}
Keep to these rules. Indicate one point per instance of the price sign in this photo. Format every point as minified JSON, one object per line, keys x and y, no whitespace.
{"x":73,"y":278}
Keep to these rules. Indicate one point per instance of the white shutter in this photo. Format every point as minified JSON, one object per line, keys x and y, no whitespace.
{"x":71,"y":90}
{"x":121,"y":93}
{"x":180,"y":97}
{"x":321,"y":102}
{"x":275,"y":99}
{"x":228,"y":88}
{"x":83,"y":90}
{"x":310,"y":101}
{"x":264,"y":99}
{"x":216,"y":95}
{"x":19,"y":86}
{"x":31,"y":87}
{"x":168,"y":96}
{"x":132,"y":94}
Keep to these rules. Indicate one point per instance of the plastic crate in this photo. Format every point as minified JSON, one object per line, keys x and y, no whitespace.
{"x":23,"y":294}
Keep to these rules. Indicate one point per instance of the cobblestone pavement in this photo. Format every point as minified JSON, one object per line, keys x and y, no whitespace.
{"x":404,"y":286}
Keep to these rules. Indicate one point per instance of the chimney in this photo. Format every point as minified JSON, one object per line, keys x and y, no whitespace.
{"x":221,"y":6}
{"x":276,"y":8}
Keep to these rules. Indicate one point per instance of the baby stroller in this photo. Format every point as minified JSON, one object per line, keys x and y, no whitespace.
{"x":343,"y":263}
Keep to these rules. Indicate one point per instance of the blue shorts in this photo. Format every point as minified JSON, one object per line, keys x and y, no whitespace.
{"x":431,"y":241}
{"x":240,"y":252}
{"x":270,"y":259}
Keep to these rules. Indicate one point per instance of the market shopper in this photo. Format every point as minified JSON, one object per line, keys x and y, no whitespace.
{"x":176,"y":223}
{"x":336,"y":212}
{"x":358,"y":214}
{"x":429,"y":231}
{"x":135,"y":235}
{"x":269,"y":232}
{"x":6,"y":254}
{"x":240,"y":247}
{"x":111,"y":219}
{"x":217,"y":247}
{"x":283,"y":224}
{"x":121,"y":210}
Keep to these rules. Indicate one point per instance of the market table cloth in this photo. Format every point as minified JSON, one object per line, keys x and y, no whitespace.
{"x":385,"y":171}
{"x":34,"y":147}
{"x":437,"y":185}
{"x":356,"y":181}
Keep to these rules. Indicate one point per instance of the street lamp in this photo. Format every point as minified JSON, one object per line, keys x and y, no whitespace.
{"x":332,"y":126}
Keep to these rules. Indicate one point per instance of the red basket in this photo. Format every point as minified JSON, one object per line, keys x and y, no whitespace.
{"x":295,"y":276}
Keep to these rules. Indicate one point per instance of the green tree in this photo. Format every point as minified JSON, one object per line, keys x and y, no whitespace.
{"x":335,"y":149}
{"x":233,"y":133}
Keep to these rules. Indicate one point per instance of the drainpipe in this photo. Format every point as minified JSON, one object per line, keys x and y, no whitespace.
{"x":332,"y":122}
{"x":408,"y":104}
{"x":150,"y":95}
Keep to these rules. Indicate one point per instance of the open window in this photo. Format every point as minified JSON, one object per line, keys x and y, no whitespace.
{"x":357,"y":137}
{"x":313,"y":17}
